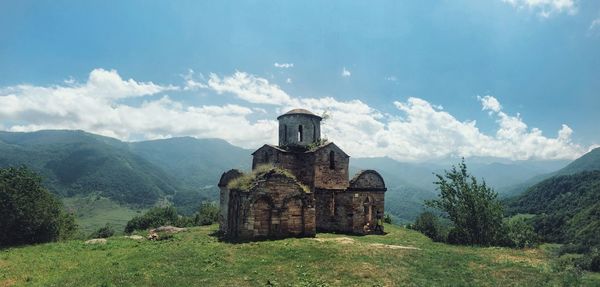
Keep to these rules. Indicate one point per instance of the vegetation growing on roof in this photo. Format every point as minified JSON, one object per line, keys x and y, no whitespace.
{"x":316,"y":145}
{"x":249,"y":180}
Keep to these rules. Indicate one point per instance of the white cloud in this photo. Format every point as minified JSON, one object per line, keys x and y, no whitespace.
{"x":191,"y":84}
{"x":283,"y":65}
{"x":288,"y":80}
{"x":418,"y":130}
{"x":489,"y":103}
{"x":545,"y":8}
{"x":95,"y":107}
{"x":391,"y":78}
{"x":594,"y":25}
{"x":346,"y":72}
{"x":249,"y":88}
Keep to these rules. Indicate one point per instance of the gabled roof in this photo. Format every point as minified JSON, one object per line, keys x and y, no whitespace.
{"x":327,"y":145}
{"x":269,"y":146}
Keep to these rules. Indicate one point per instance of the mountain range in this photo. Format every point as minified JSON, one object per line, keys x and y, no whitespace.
{"x":185,"y":170}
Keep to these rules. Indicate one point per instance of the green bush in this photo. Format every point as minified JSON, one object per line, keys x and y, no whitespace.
{"x":429,"y":224}
{"x":103,"y":232}
{"x":30,"y":214}
{"x":589,"y":261}
{"x":473,"y":208}
{"x":387,"y":218}
{"x":155,"y":217}
{"x":520,"y":233}
{"x":207,"y":214}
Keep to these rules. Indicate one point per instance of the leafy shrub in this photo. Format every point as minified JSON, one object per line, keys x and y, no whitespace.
{"x":103,"y":232}
{"x":207,"y":214}
{"x":387,"y":218}
{"x":165,"y":235}
{"x":589,"y":261}
{"x":473,"y":208}
{"x":155,"y":217}
{"x":429,"y":224}
{"x":30,"y":214}
{"x":520,"y":233}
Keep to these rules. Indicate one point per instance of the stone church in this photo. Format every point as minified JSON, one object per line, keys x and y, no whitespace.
{"x":299,"y":187}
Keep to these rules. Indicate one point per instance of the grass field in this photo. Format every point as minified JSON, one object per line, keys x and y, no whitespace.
{"x":195,"y":258}
{"x":93,"y":212}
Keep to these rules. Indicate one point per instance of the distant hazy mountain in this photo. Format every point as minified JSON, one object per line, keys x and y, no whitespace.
{"x":196,"y":163}
{"x":410,"y":184}
{"x":588,"y":162}
{"x":186,"y":170}
{"x":76,"y":162}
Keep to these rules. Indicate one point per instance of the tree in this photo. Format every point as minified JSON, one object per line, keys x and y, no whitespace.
{"x":30,"y":213}
{"x":473,"y":208}
{"x":155,"y":217}
{"x":429,"y":224}
{"x":103,"y":232}
{"x":207,"y":214}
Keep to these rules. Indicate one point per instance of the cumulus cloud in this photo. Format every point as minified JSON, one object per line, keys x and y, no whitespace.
{"x":421,"y":130}
{"x":490,"y":103}
{"x":95,"y":107}
{"x":283,"y":65}
{"x":418,"y":130}
{"x":249,"y":88}
{"x":346,"y":72}
{"x":545,"y":8}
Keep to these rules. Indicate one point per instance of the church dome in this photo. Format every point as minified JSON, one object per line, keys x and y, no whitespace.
{"x":299,"y":112}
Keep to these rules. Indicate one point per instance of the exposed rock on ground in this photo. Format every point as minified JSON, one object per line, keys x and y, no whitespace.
{"x":96,"y":241}
{"x":135,"y":237}
{"x":155,"y":234}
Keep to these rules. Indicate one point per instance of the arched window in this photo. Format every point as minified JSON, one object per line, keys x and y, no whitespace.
{"x":300,"y":134}
{"x":285,"y":133}
{"x":331,"y":160}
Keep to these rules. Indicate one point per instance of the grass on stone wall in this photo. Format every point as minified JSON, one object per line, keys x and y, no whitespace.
{"x":195,"y":258}
{"x":248,"y":180}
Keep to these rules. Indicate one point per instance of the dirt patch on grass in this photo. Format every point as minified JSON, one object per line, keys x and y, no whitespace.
{"x":530,"y":257}
{"x":8,"y":282}
{"x":3,"y":263}
{"x":342,"y":240}
{"x":348,"y":240}
{"x":389,"y":246}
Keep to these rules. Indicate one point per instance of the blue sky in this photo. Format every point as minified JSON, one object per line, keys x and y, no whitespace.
{"x":540,"y":60}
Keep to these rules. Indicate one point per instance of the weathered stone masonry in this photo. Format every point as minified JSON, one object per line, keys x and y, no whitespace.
{"x":319,"y":196}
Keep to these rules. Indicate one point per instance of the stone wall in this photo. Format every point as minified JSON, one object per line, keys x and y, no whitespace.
{"x":289,"y":126}
{"x":300,"y":164}
{"x":331,"y":168}
{"x":226,"y":177}
{"x":275,"y":208}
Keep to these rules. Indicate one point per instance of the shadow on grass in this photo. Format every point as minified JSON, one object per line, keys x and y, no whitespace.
{"x":222,"y":237}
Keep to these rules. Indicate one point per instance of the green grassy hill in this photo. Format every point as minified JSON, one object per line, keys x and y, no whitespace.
{"x":195,"y":258}
{"x":78,"y":163}
{"x":567,"y":208}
